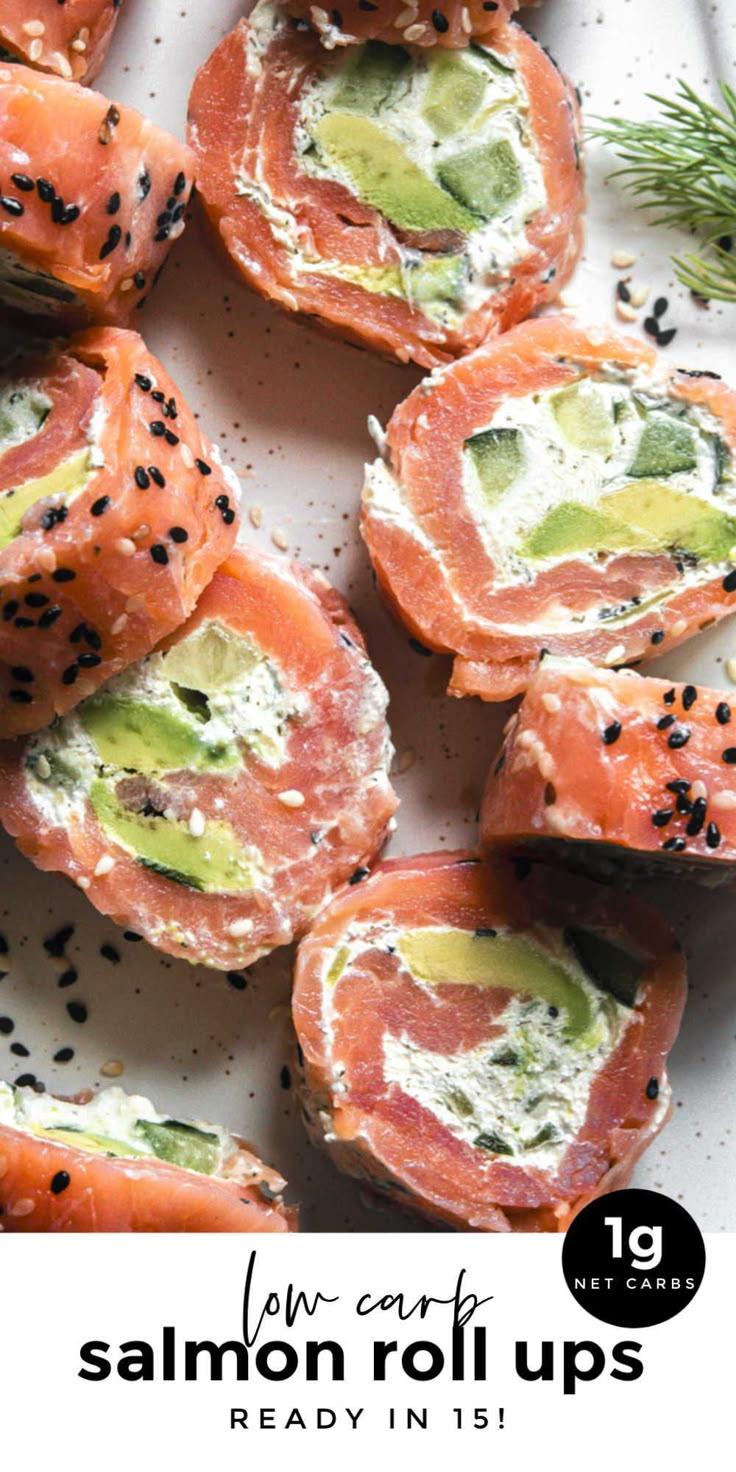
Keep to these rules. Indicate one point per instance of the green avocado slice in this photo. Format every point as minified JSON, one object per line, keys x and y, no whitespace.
{"x":572,"y":527}
{"x":181,"y":1144}
{"x":584,"y":417}
{"x":216,"y":863}
{"x":461,"y":958}
{"x":66,"y":480}
{"x":672,"y":520}
{"x":455,"y":91}
{"x":370,"y":79}
{"x":384,"y":176}
{"x":484,"y":179}
{"x":666,"y":447}
{"x":146,"y":738}
{"x":434,"y":279}
{"x":498,"y":457}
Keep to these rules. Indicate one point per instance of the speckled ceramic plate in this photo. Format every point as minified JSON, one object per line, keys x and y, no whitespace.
{"x":289,"y":410}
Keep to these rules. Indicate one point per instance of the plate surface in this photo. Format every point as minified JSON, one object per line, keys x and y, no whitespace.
{"x":289,"y":410}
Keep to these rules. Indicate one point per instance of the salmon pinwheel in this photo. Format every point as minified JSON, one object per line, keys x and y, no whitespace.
{"x":114,"y":513}
{"x":212,"y":796}
{"x":560,"y":489}
{"x":93,"y":195}
{"x":486,"y":1044}
{"x":410,"y":200}
{"x":109,"y":1162}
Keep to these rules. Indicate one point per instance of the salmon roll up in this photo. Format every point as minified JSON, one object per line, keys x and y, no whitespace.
{"x":560,"y":489}
{"x":114,"y":513}
{"x":605,"y":767}
{"x":93,"y":194}
{"x":67,"y":37}
{"x":409,"y":200}
{"x":109,"y":1162}
{"x":212,"y":796}
{"x":487,"y":1044}
{"x":416,"y":22}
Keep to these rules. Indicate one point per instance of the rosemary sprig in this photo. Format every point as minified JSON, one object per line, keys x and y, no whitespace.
{"x":682,"y":167}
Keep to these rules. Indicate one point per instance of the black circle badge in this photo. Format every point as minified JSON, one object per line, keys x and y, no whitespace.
{"x":634,"y":1258}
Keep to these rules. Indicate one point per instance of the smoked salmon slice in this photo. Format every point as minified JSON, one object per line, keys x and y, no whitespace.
{"x":487,"y":1044}
{"x":93,"y":195}
{"x":212,"y":796}
{"x":418,"y":23}
{"x":559,"y":489}
{"x":69,"y":39}
{"x":111,"y":1163}
{"x":114,"y":513}
{"x":599,"y":767}
{"x":410,"y":200}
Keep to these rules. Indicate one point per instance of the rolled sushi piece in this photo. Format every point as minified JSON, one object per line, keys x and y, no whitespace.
{"x":109,"y":1162}
{"x":213,"y":796}
{"x":560,"y":489}
{"x":114,"y":513}
{"x":418,"y":22}
{"x":487,"y":1045}
{"x":602,"y":768}
{"x":409,"y":200}
{"x":66,"y":37}
{"x":93,"y":195}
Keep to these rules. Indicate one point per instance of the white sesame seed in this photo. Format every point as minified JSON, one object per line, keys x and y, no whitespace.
{"x":551,"y":702}
{"x":697,"y":790}
{"x":280,"y":539}
{"x":320,"y":18}
{"x":406,"y":17}
{"x":197,"y":823}
{"x":61,"y":63}
{"x":568,"y":299}
{"x":83,"y":33}
{"x":125,"y":547}
{"x":406,"y":759}
{"x":104,"y":866}
{"x":621,"y":259}
{"x":34,"y":28}
{"x":255,"y":516}
{"x":43,"y":767}
{"x":119,"y":624}
{"x":626,"y":312}
{"x":141,"y":532}
{"x":679,"y":628}
{"x":46,"y":559}
{"x":79,"y":44}
{"x":35,"y":51}
{"x":24,"y":1207}
{"x":465,"y":20}
{"x":724,"y":801}
{"x":83,"y":882}
{"x":639,"y":295}
{"x":731,"y":670}
{"x":186,"y":455}
{"x":177,"y":229}
{"x":112,"y":1069}
{"x":127,"y":284}
{"x":291,"y":798}
{"x":413,"y":33}
{"x":616,"y":654}
{"x":240,"y":928}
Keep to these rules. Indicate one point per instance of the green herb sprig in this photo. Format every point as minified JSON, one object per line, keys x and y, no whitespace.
{"x":682,"y":167}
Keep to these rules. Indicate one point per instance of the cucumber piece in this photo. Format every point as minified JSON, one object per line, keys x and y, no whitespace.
{"x":181,"y":1144}
{"x":489,"y":1140}
{"x":666,"y":447}
{"x":82,"y":1140}
{"x":455,"y":91}
{"x":498,"y":457}
{"x":384,"y":176}
{"x":611,"y":967}
{"x":584,"y":417}
{"x":485,"y":179}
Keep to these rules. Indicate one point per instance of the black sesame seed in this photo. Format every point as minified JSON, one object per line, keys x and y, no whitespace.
{"x":156,"y":476}
{"x":660,"y":306}
{"x":22,"y":674}
{"x":54,"y":517}
{"x":723,"y":713}
{"x":689,"y":696}
{"x":162,"y":234}
{"x":144,"y":183}
{"x":712,"y":835}
{"x":113,"y":240}
{"x":24,"y":623}
{"x":22,"y":181}
{"x":612,"y":733}
{"x":164,"y":218}
{"x":729,"y":756}
{"x":228,"y":516}
{"x":236,"y":981}
{"x":652,"y":1089}
{"x":88,"y":661}
{"x":12,"y":206}
{"x":19,"y":1050}
{"x":662,"y":817}
{"x":6,"y":1026}
{"x":178,"y":534}
{"x":68,"y":977}
{"x":651,"y":326}
{"x":59,"y":1182}
{"x":92,"y":638}
{"x":70,"y":674}
{"x":171,"y":438}
{"x":683,"y":804}
{"x":4,"y":947}
{"x":158,"y":395}
{"x":113,"y":203}
{"x":142,"y":478}
{"x":180,"y":184}
{"x":664,"y":722}
{"x":366,"y":5}
{"x":131,"y":935}
{"x":46,"y":190}
{"x":669,"y":697}
{"x":21,"y":697}
{"x":139,"y":280}
{"x":100,"y":505}
{"x":485,"y":930}
{"x":490,"y":4}
{"x":285,"y":1077}
{"x":203,"y":467}
{"x":68,"y":214}
{"x":26,"y":1081}
{"x":729,"y":582}
{"x":358,"y":874}
{"x":674,"y":845}
{"x":665,"y":338}
{"x":657,"y":636}
{"x":622,"y":292}
{"x":157,"y":428}
{"x":36,"y":600}
{"x":697,"y":819}
{"x":159,"y":554}
{"x":440,"y":22}
{"x":77,"y":1011}
{"x":64,"y":1055}
{"x":63,"y":575}
{"x":54,"y":944}
{"x":222,"y":502}
{"x":110,"y":953}
{"x":143,"y":382}
{"x":50,"y":616}
{"x":679,"y":738}
{"x":10,"y":609}
{"x":172,"y":407}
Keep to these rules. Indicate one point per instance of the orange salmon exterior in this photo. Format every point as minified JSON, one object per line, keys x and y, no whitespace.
{"x":356,"y":999}
{"x":422,"y":22}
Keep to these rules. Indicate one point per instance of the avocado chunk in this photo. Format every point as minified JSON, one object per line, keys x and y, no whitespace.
{"x":82,"y":1140}
{"x":181,"y":1144}
{"x":666,"y":446}
{"x":572,"y":527}
{"x":455,"y":91}
{"x":584,"y":417}
{"x":146,"y":738}
{"x":485,"y":179}
{"x":672,"y":520}
{"x":498,"y":457}
{"x":611,"y":967}
{"x":210,"y":659}
{"x":434,"y":279}
{"x":216,"y":863}
{"x":384,"y":176}
{"x":66,"y":480}
{"x":23,"y":411}
{"x":370,"y":78}
{"x":512,"y":962}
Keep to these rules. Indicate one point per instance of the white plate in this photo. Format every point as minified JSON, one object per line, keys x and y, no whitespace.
{"x":289,"y":411}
